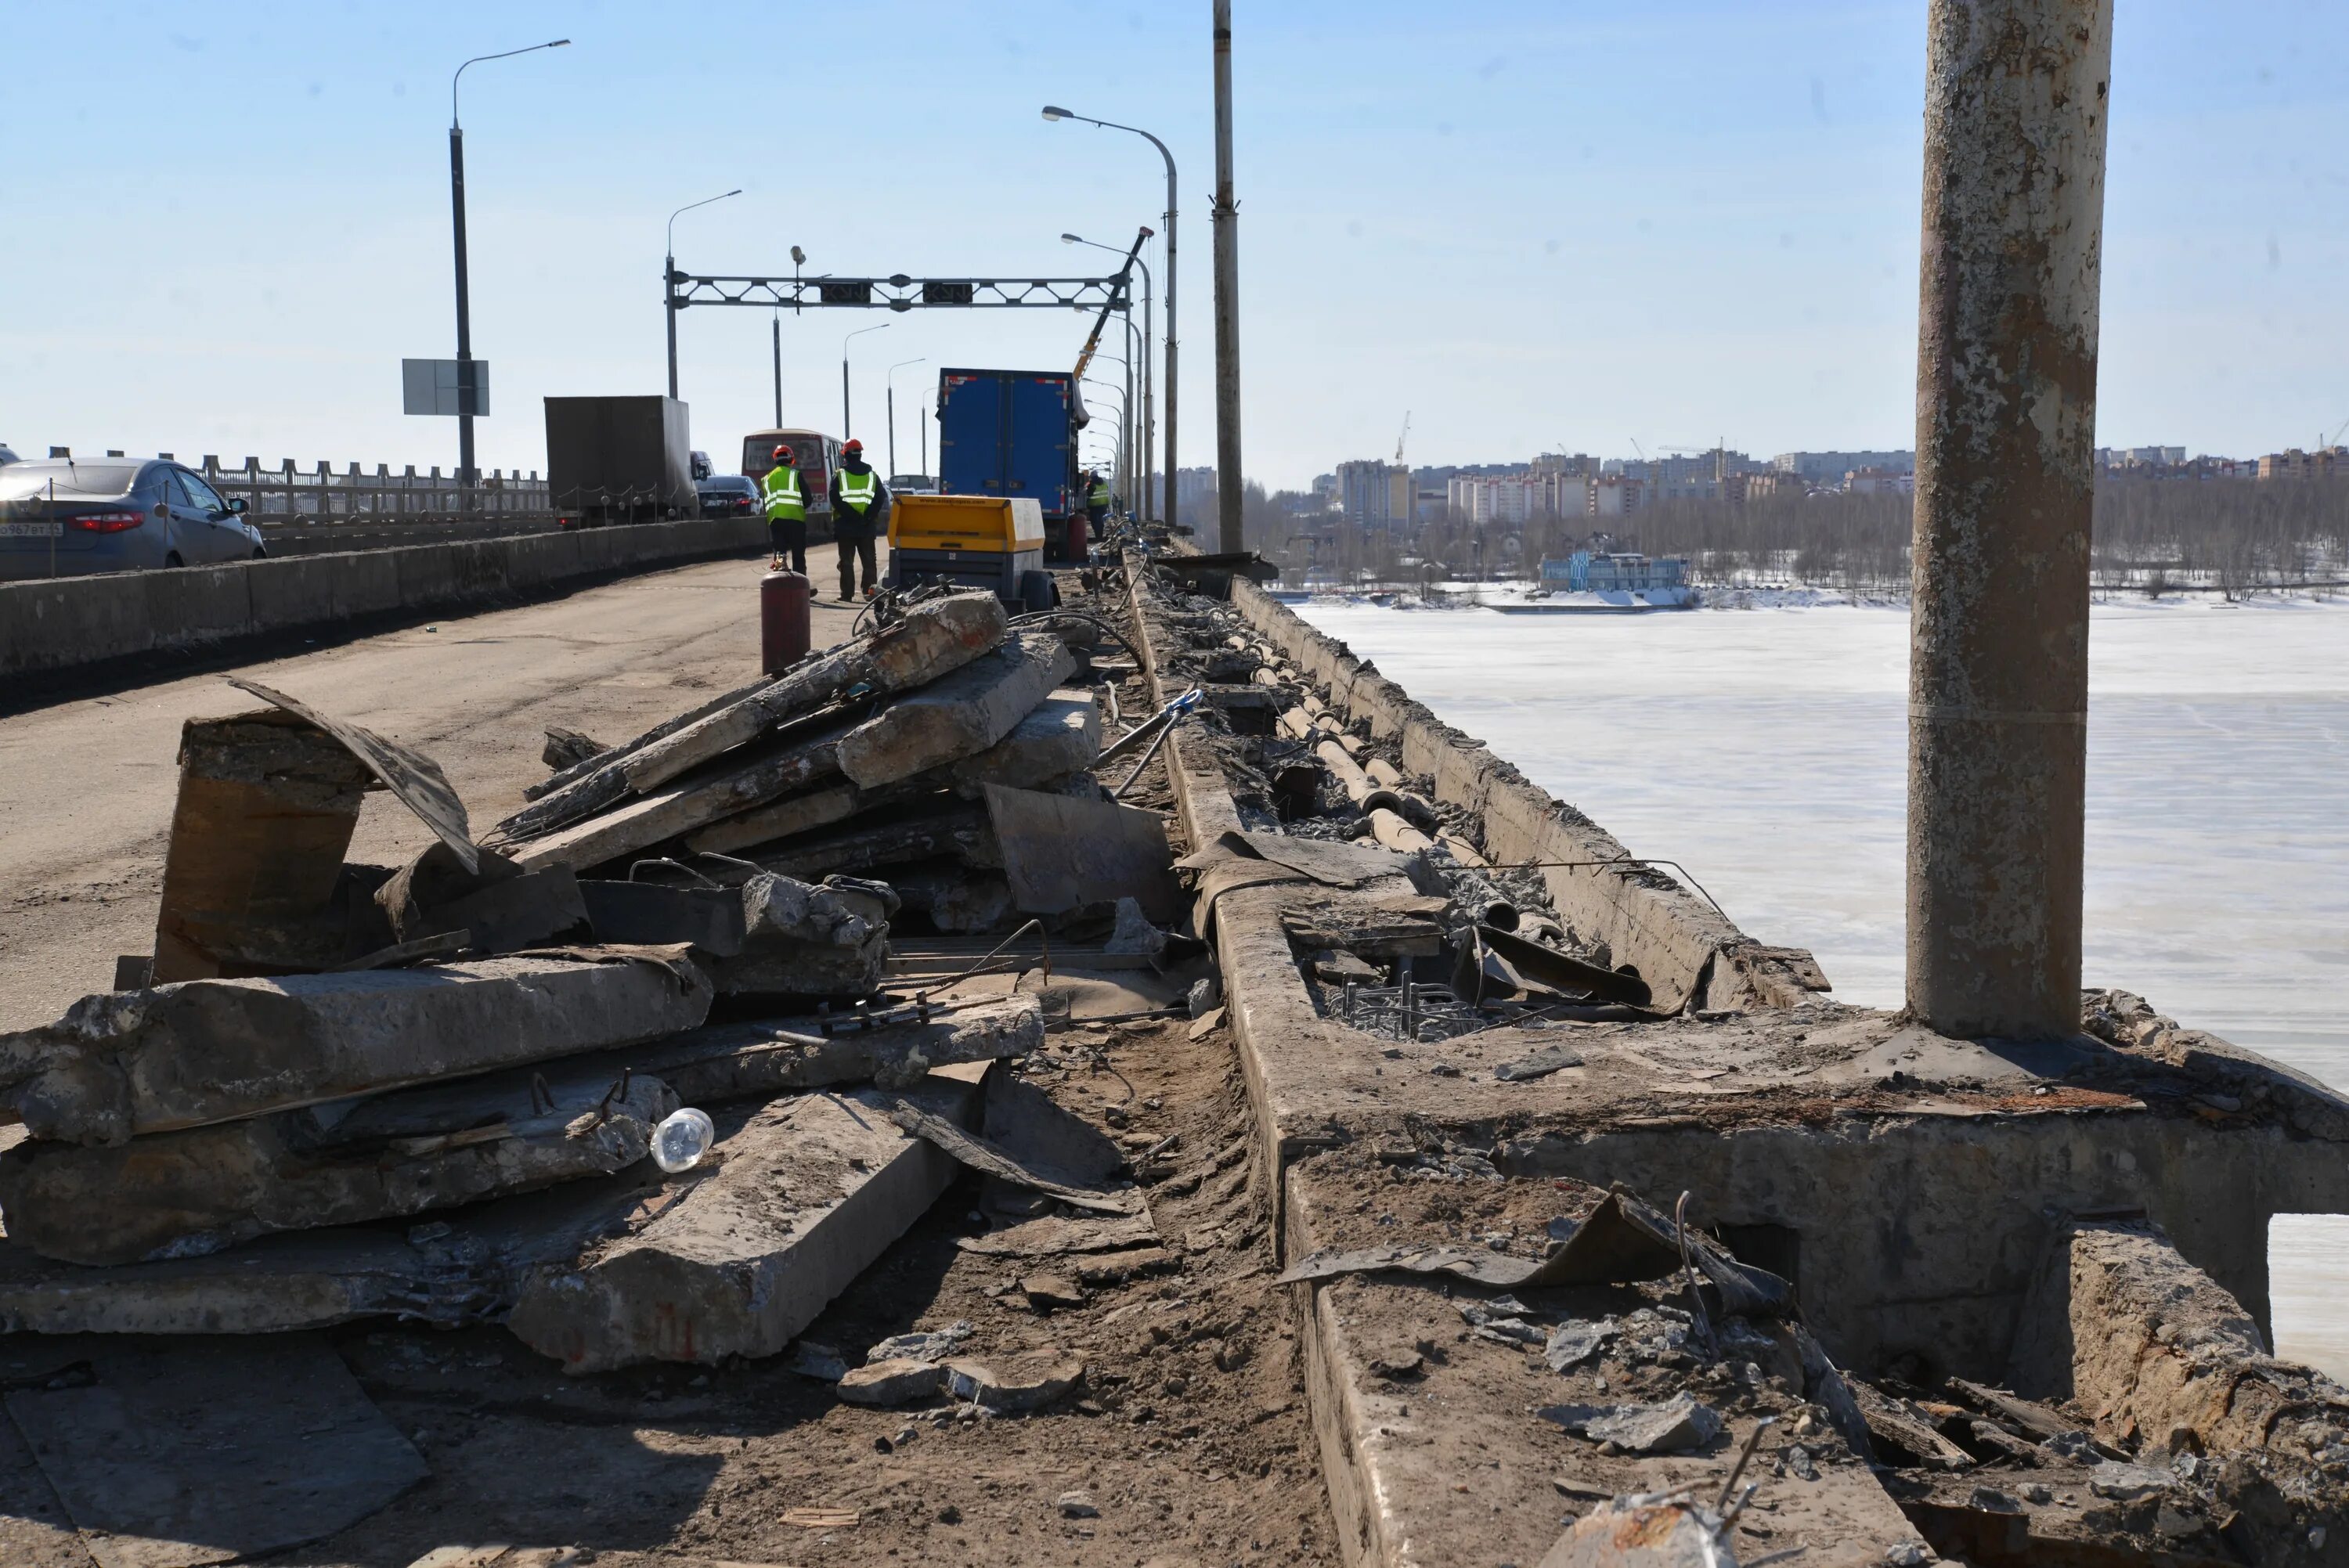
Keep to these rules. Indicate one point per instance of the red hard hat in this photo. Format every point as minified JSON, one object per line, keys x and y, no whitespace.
{"x":782,"y":454}
{"x":851,"y":444}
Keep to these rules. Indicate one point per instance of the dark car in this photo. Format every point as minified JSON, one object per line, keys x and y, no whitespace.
{"x":63,"y":517}
{"x":728,"y":495}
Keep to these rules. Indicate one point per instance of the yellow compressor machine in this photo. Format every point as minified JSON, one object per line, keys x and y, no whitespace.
{"x":982,"y":541}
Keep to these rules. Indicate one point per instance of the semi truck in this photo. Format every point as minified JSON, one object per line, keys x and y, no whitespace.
{"x":1012,"y":435}
{"x":618,"y":459}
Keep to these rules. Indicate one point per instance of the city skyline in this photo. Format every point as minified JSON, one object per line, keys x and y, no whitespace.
{"x":1668,"y":225}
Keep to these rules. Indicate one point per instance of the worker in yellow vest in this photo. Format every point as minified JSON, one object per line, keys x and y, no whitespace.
{"x":860,"y":507}
{"x":786,"y":499}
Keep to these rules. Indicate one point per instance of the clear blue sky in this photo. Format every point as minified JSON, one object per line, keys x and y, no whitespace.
{"x":1527,"y":224}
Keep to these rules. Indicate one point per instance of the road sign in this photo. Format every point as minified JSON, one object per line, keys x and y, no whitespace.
{"x":444,"y":386}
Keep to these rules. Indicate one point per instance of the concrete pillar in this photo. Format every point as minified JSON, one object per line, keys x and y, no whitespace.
{"x":2015,"y":108}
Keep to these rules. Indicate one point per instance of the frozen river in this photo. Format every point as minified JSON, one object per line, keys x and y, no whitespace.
{"x":1765,"y":749}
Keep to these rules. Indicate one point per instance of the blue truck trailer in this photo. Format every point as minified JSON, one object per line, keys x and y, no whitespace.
{"x":1012,"y":435}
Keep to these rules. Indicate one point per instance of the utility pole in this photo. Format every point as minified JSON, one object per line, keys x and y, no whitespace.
{"x":1229,"y":479}
{"x":2015,"y":120}
{"x":890,"y":379}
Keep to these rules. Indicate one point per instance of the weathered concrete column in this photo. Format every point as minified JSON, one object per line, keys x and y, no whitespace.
{"x":2015,"y":107}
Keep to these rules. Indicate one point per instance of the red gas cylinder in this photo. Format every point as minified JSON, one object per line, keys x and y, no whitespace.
{"x":785,"y":598}
{"x":1078,"y":533}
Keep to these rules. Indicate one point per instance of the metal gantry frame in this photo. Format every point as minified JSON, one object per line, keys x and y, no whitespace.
{"x":900,"y":292}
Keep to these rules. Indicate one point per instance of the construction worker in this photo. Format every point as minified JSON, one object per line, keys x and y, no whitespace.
{"x":1097,"y":500}
{"x":786,"y":499}
{"x":860,"y":507}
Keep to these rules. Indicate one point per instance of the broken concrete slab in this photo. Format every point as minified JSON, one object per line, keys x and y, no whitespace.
{"x":681,"y":806}
{"x":1061,"y":853}
{"x":799,"y":1196}
{"x":779,"y":819}
{"x":1030,"y":1380}
{"x":136,"y":1062}
{"x":1672,"y":1426}
{"x":732,"y":1061}
{"x":266,"y":806}
{"x":179,"y":1194}
{"x":568,"y":747}
{"x":934,"y":639}
{"x":953,"y":898}
{"x":817,"y":969}
{"x":176,"y":1457}
{"x":709,"y":920}
{"x":957,"y":717}
{"x":1060,"y":736}
{"x":413,"y":778}
{"x":899,"y":1380}
{"x":501,"y":907}
{"x":1053,"y":1236}
{"x":925,"y":832}
{"x":991,"y":1158}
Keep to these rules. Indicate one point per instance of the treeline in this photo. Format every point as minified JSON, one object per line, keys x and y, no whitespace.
{"x":2149,"y":535}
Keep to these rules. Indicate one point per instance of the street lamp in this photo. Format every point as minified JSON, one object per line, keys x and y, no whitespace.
{"x":844,"y":431}
{"x":467,"y":400}
{"x":892,"y":386}
{"x":798,"y":258}
{"x":668,"y":280}
{"x":1053,"y":112}
{"x":1148,"y":428}
{"x":1118,"y":440}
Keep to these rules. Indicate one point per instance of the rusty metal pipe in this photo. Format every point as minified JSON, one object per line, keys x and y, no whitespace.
{"x":2015,"y":114}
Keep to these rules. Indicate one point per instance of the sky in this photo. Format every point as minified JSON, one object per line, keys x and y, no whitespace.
{"x":1521,"y":226}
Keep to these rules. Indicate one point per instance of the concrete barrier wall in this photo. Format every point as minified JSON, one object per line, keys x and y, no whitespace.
{"x":1680,"y":945}
{"x":63,"y":623}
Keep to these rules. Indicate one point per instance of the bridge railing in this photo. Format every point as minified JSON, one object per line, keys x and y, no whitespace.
{"x":287,"y":495}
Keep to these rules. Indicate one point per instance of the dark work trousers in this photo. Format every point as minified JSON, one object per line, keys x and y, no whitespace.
{"x":787,"y":538}
{"x":855,"y":550}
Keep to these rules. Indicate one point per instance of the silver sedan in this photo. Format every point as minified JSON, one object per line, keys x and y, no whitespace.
{"x":60,"y":517}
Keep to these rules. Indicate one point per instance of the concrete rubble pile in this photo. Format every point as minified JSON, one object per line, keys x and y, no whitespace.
{"x":487,"y":1084}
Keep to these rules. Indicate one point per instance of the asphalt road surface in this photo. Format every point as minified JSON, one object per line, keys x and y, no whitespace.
{"x":87,"y":787}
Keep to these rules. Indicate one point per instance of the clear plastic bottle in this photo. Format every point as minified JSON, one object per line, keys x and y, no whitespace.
{"x":682,"y":1138}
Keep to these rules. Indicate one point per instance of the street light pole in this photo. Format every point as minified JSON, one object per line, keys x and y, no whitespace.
{"x":845,"y":431}
{"x":1229,"y":478}
{"x":889,"y":379}
{"x":668,"y":281}
{"x":1054,"y":112}
{"x":1147,"y":429}
{"x":466,"y":397}
{"x":798,"y":257}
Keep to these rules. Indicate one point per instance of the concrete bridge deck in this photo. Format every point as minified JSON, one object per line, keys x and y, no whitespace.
{"x":87,"y":785}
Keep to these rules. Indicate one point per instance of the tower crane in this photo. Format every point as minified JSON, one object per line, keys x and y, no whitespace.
{"x":1402,"y":438}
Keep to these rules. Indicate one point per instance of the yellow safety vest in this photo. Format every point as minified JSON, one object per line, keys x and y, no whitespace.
{"x":857,"y":491}
{"x":1099,"y":496}
{"x":785,"y":502}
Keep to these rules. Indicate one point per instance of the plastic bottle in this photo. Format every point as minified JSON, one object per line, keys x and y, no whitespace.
{"x":682,"y":1138}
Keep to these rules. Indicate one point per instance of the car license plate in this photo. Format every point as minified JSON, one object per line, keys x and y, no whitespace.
{"x":32,"y":530}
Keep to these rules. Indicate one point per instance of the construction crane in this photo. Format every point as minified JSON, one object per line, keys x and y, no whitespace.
{"x":1402,"y":438}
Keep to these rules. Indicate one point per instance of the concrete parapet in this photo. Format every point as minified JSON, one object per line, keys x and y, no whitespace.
{"x":71,"y":622}
{"x":1680,"y":945}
